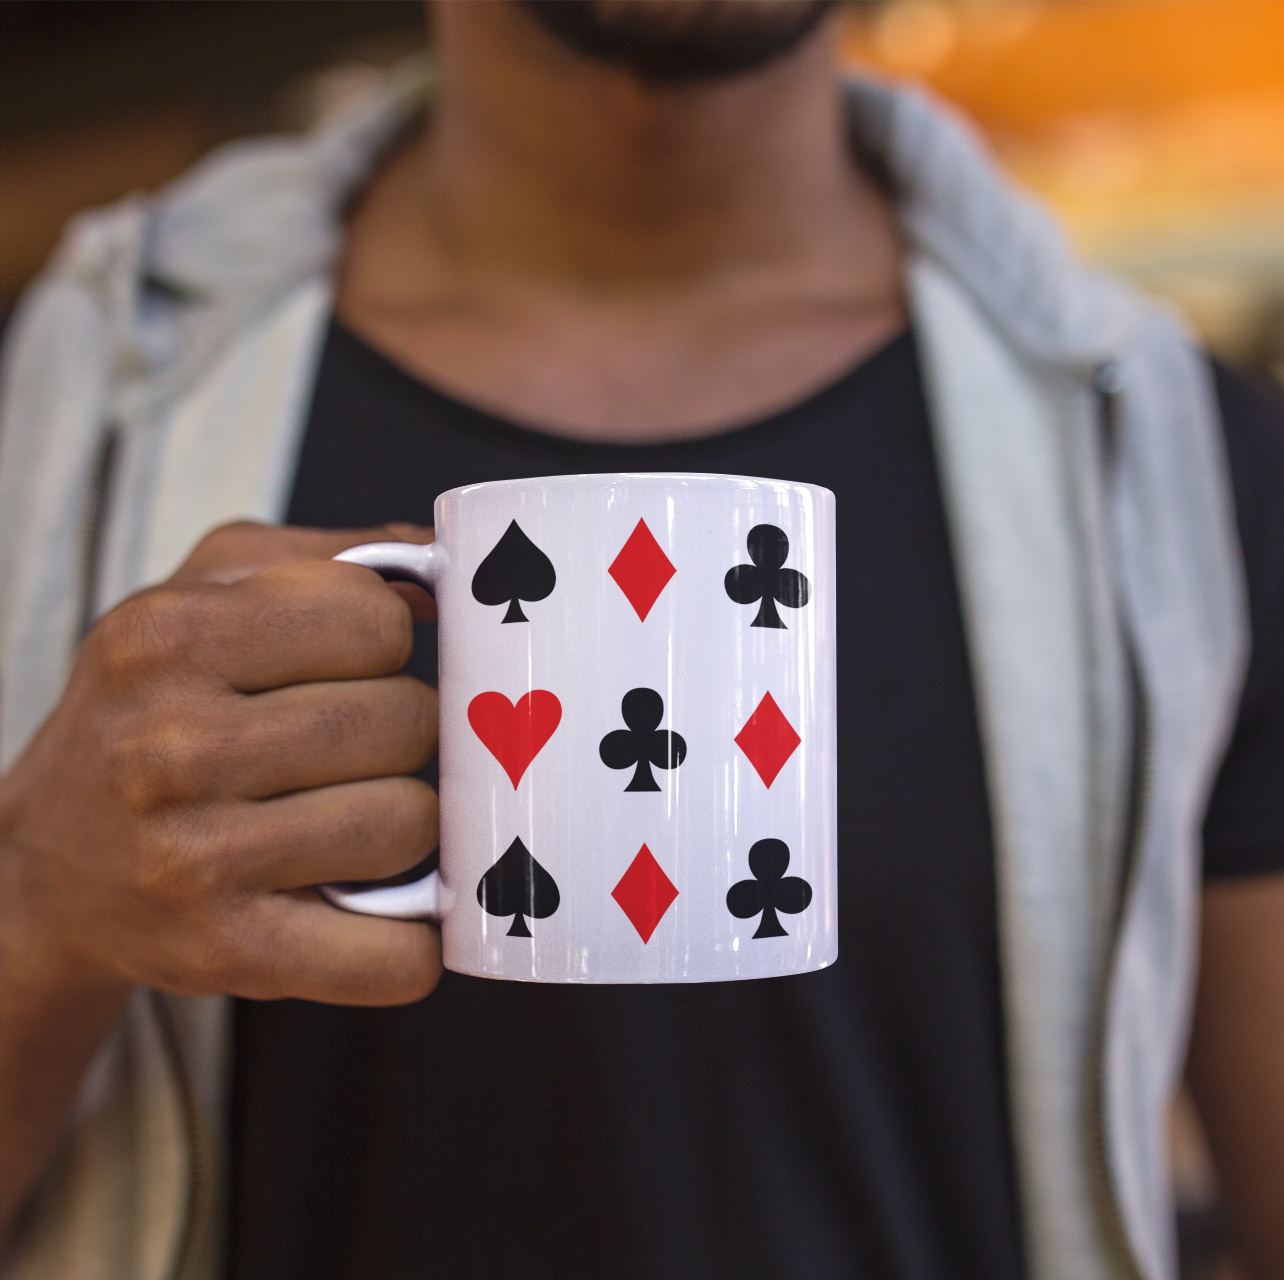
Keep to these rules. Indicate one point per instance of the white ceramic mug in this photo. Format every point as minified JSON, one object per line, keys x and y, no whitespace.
{"x":637,"y":728}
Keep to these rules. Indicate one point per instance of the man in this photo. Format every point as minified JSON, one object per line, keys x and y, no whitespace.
{"x":643,"y":236}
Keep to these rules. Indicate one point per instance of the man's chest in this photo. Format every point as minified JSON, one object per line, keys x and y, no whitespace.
{"x":915,"y":841}
{"x":850,"y":1077}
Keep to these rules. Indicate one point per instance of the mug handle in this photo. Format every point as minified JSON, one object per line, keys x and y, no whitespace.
{"x":421,"y":564}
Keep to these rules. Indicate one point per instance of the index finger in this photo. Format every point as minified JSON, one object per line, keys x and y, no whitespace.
{"x":310,"y":621}
{"x":234,"y":551}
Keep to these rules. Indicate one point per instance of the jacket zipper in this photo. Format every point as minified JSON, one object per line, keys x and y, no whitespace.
{"x":1107,"y":386}
{"x":104,"y":470}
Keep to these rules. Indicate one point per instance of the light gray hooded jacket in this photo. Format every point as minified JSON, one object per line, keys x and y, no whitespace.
{"x":1090,"y":510}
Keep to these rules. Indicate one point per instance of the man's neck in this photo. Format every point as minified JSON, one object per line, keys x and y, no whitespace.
{"x":569,"y":246}
{"x":608,"y":182}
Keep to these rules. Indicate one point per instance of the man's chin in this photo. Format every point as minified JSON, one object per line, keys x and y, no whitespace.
{"x":680,"y":41}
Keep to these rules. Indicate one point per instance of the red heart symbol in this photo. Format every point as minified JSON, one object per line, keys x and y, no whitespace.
{"x":514,"y":733}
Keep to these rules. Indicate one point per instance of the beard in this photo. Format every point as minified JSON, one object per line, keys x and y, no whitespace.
{"x":675,"y":42}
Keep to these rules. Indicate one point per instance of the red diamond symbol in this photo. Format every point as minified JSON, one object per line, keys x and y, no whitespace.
{"x":641,"y":570}
{"x":768,"y":739}
{"x":644,"y":893}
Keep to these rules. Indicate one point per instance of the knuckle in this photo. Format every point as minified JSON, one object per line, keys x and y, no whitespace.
{"x":395,"y":820}
{"x":390,"y":627}
{"x":419,"y":812}
{"x":358,"y":824}
{"x":410,"y":980}
{"x":168,"y":875}
{"x":232,"y":531}
{"x":225,"y":967}
{"x":226,"y":553}
{"x":417,"y":704}
{"x":230,"y":960}
{"x":344,"y":717}
{"x":227,"y":539}
{"x":415,"y":981}
{"x":301,"y":598}
{"x":157,"y":765}
{"x":159,"y":878}
{"x":146,"y":634}
{"x":376,"y":622}
{"x":407,"y":821}
{"x":303,"y":582}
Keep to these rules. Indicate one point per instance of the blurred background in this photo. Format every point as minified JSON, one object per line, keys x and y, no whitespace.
{"x":1155,"y":128}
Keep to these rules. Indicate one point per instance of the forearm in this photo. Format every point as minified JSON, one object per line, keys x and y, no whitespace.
{"x":52,"y":1020}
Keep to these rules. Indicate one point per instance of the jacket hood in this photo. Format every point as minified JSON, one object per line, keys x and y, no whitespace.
{"x":257,"y":217}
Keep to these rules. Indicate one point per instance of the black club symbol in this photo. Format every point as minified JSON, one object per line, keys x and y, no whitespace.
{"x":765,"y":579}
{"x":643,"y":743}
{"x":770,"y":890}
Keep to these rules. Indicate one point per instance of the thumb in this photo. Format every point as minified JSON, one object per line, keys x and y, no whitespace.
{"x":235,"y":551}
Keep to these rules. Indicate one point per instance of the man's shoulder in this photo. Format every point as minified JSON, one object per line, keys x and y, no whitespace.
{"x":254,"y":215}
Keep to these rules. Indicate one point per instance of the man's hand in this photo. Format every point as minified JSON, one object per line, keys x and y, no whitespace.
{"x":225,"y":741}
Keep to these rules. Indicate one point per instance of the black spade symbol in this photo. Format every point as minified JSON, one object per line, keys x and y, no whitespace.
{"x":518,"y":886}
{"x":514,"y":570}
{"x":765,"y":579}
{"x":770,"y":890}
{"x":643,"y":743}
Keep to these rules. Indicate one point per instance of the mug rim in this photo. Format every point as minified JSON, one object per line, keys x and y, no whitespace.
{"x":586,"y":478}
